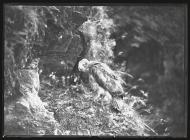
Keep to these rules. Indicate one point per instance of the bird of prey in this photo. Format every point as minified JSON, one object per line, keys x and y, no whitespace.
{"x":106,"y":78}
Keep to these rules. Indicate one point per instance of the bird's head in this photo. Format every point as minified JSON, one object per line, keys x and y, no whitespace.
{"x":83,"y":65}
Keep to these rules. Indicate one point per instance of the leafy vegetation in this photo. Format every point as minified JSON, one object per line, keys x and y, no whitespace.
{"x":144,"y":41}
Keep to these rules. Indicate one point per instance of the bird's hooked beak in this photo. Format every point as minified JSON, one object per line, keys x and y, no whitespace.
{"x":83,"y":65}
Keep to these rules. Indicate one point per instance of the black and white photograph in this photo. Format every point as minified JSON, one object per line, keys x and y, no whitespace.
{"x":95,"y":70}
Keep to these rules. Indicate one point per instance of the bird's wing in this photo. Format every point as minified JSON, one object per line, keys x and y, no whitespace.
{"x":105,"y":69}
{"x":105,"y":78}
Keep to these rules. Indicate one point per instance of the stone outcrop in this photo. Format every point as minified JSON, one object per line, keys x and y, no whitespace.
{"x":27,"y":115}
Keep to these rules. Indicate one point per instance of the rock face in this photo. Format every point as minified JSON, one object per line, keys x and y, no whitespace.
{"x":62,"y":56}
{"x":27,"y":114}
